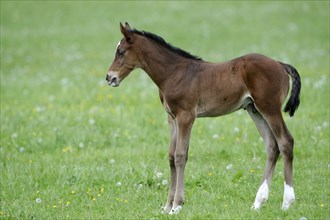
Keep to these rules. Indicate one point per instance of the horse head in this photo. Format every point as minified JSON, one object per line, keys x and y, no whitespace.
{"x":125,"y":59}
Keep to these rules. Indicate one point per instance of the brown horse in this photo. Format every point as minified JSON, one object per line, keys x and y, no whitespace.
{"x":190,"y":87}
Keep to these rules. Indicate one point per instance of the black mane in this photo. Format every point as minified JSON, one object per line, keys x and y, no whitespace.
{"x":162,"y":42}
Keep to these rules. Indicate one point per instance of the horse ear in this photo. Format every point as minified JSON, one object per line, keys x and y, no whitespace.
{"x":126,"y":31}
{"x":127,"y":26}
{"x":122,"y":29}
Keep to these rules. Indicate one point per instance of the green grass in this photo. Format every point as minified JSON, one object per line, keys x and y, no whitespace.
{"x":74,"y":148}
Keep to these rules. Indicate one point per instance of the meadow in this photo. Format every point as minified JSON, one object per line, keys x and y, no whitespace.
{"x":74,"y":148}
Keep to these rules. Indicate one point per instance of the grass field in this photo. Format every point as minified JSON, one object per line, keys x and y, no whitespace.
{"x":74,"y":148}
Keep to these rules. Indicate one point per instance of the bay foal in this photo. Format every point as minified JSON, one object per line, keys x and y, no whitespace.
{"x":190,"y":87}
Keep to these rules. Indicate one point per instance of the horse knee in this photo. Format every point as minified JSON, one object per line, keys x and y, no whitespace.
{"x":180,"y":159}
{"x":171,"y":159}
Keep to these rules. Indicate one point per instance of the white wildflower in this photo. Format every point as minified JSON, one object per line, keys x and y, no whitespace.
{"x":229,"y":166}
{"x":91,"y":121}
{"x":159,"y":174}
{"x":215,"y":136}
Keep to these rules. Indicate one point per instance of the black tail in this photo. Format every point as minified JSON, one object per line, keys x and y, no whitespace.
{"x":294,"y":100}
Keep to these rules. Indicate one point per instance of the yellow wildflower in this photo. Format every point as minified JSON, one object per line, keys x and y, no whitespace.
{"x":67,"y":149}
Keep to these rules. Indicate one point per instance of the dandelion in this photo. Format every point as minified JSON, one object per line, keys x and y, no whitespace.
{"x":94,"y":199}
{"x":236,"y":129}
{"x":38,"y":200}
{"x":14,"y":135}
{"x":159,"y":174}
{"x":118,"y":184}
{"x":303,"y":218}
{"x":64,"y":81}
{"x":73,"y":192}
{"x":102,"y":190}
{"x":325,"y":124}
{"x":39,"y":108}
{"x":54,"y":206}
{"x":91,"y":121}
{"x":164,"y":182}
{"x":229,"y":166}
{"x":252,"y":171}
{"x":210,"y":174}
{"x":67,"y":203}
{"x":21,"y":149}
{"x":112,"y":161}
{"x":322,"y":205}
{"x":67,"y":149}
{"x":81,"y":145}
{"x":51,"y":98}
{"x":140,"y":185}
{"x":215,"y":136}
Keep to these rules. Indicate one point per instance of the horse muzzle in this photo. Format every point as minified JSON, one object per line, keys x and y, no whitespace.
{"x":112,"y":78}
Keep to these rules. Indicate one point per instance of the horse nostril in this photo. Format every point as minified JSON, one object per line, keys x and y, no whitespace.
{"x":107,"y":77}
{"x":113,"y":79}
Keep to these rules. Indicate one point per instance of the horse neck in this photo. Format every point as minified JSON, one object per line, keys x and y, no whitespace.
{"x":157,"y":60}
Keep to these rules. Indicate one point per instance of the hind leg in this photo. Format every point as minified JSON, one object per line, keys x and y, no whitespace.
{"x":272,"y":155}
{"x":285,"y":143}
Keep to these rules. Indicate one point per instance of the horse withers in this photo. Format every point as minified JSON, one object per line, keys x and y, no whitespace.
{"x":190,"y":87}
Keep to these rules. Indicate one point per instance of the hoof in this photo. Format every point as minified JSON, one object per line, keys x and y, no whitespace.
{"x":286,"y":204}
{"x":167,"y":209}
{"x":175,"y":210}
{"x":256,"y":206}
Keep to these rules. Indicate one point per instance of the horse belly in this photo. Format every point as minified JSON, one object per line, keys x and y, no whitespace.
{"x":217,"y":106}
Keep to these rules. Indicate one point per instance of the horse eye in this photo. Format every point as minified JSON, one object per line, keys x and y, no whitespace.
{"x":121,"y":53}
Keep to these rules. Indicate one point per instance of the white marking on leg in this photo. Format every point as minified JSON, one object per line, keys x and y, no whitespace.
{"x":288,"y":197}
{"x":262,"y":196}
{"x":176,"y":210}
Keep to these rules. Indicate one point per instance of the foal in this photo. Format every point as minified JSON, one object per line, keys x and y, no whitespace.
{"x":190,"y":87}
